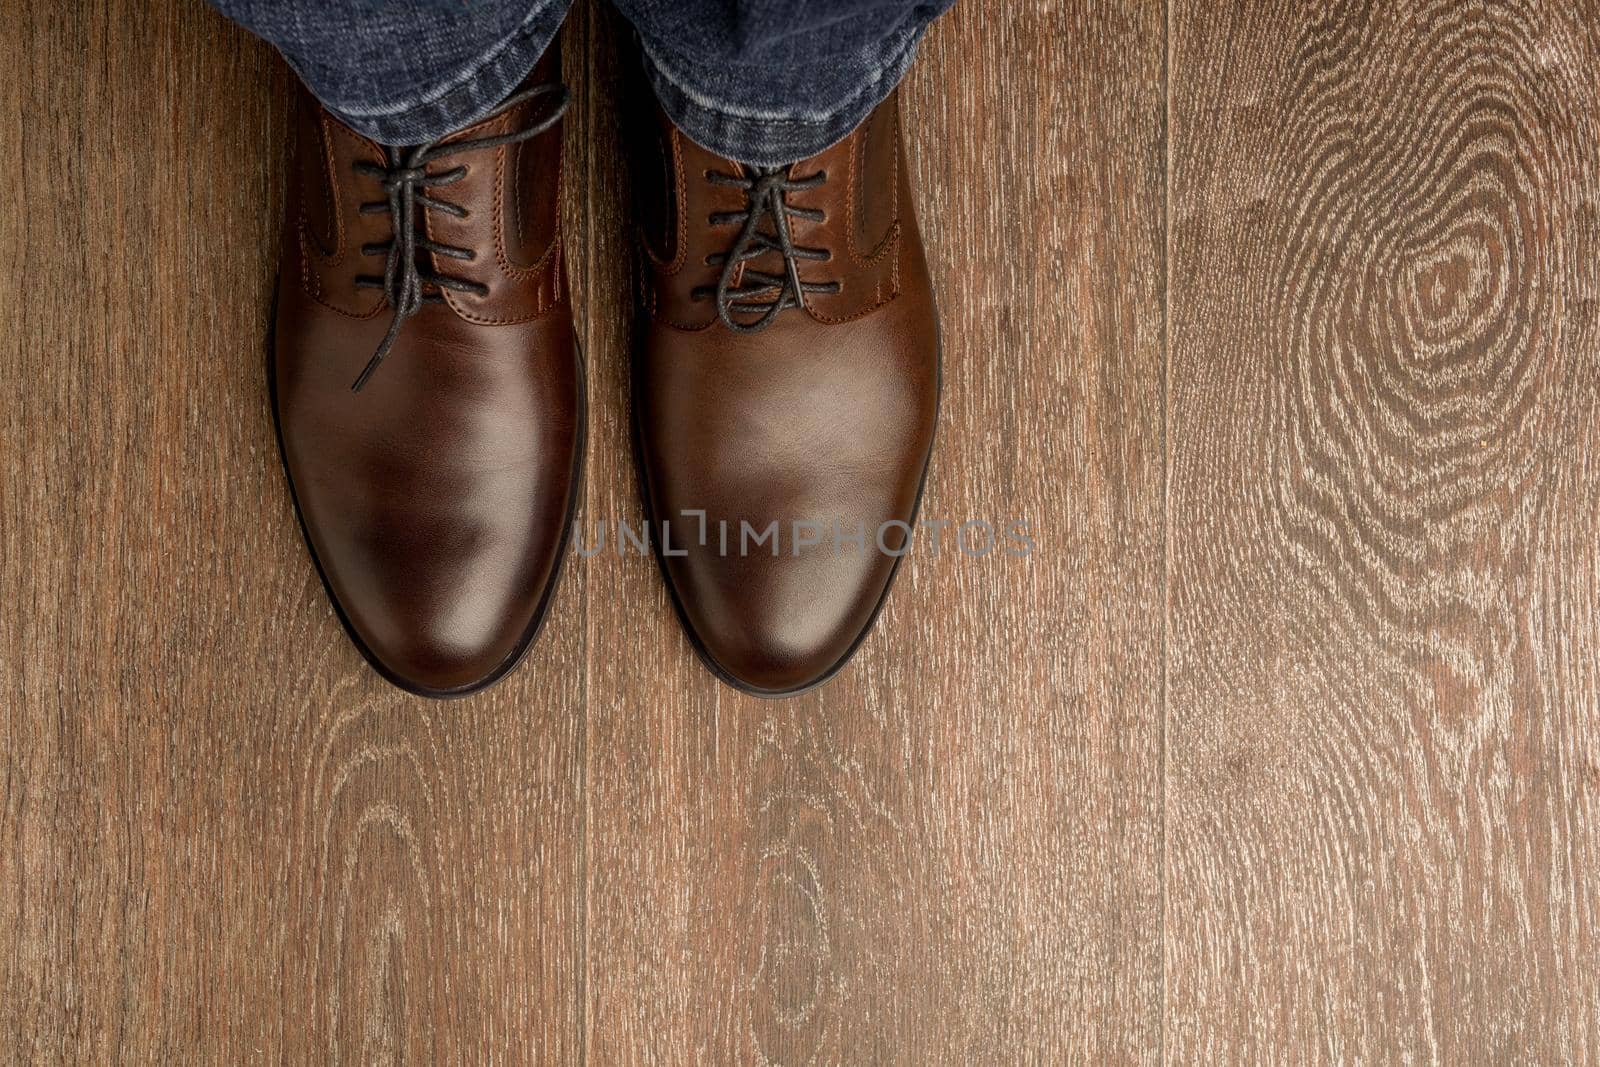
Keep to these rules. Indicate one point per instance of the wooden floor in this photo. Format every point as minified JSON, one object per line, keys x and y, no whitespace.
{"x":1279,"y":322}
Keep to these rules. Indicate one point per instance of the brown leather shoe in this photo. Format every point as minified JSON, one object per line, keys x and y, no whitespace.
{"x":786,"y":370}
{"x":427,"y":385}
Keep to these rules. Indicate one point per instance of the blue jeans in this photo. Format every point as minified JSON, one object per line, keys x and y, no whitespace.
{"x":759,"y":81}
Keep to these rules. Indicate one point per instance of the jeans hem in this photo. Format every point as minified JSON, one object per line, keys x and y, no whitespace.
{"x":468,"y":94}
{"x":778,"y":136}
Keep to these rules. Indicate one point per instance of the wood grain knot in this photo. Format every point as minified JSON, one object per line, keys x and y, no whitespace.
{"x":372,"y":801}
{"x":1409,"y":278}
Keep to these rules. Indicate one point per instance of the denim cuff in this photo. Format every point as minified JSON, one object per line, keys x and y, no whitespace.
{"x":747,"y":90}
{"x":465,"y":95}
{"x":742,"y":111}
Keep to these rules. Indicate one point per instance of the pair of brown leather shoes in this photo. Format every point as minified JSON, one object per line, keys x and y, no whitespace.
{"x":428,"y":389}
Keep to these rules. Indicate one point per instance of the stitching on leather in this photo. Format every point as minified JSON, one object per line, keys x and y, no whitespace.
{"x":541,"y":306}
{"x":332,"y":189}
{"x":891,"y":239}
{"x":852,"y":197}
{"x":312,"y":261}
{"x":329,"y":183}
{"x":308,"y":280}
{"x":689,"y":327}
{"x":680,"y":240}
{"x":652,"y":303}
{"x":499,"y":220}
{"x":516,"y":186}
{"x":894,"y":284}
{"x":863,"y":257}
{"x":680,"y":216}
{"x":549,"y":260}
{"x":894,"y":164}
{"x":311,"y":281}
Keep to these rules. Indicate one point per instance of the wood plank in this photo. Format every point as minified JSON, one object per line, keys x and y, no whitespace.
{"x":1385,"y":564}
{"x":224,"y":838}
{"x":951,"y":852}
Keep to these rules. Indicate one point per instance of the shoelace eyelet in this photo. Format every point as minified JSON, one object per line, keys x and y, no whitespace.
{"x":759,"y":292}
{"x":405,"y":180}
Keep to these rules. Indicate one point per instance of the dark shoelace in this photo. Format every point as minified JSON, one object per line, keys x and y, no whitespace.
{"x":766,"y":190}
{"x":405,"y":179}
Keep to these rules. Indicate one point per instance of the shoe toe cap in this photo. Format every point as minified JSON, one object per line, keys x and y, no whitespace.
{"x":826,"y":436}
{"x":441,"y":563}
{"x":441,"y":603}
{"x":440,"y":629}
{"x":778,"y":626}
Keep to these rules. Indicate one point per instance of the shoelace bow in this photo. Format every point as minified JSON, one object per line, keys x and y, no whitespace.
{"x":766,"y":190}
{"x":406,"y":181}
